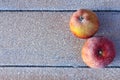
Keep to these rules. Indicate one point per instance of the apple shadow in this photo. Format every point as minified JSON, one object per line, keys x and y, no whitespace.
{"x":109,"y":27}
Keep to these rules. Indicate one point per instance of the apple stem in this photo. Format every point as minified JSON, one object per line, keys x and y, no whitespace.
{"x":100,"y":52}
{"x":81,"y":18}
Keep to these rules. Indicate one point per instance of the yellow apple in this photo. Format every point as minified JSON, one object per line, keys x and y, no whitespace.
{"x":84,"y":23}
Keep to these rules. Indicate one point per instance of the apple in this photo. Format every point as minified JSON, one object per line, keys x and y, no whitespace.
{"x":98,"y":52}
{"x":84,"y":23}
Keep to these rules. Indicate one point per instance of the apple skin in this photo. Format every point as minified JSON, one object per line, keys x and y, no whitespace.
{"x":84,"y":23}
{"x":98,"y":52}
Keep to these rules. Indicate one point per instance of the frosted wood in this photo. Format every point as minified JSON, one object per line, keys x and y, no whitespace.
{"x":43,"y":38}
{"x":59,"y":4}
{"x":58,"y":74}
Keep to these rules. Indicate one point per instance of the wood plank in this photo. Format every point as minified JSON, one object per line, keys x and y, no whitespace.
{"x":58,"y":4}
{"x":58,"y":74}
{"x":43,"y":38}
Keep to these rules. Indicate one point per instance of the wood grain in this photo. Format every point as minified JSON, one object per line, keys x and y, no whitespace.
{"x":39,"y":46}
{"x":58,"y":74}
{"x":59,"y":4}
{"x":43,"y":38}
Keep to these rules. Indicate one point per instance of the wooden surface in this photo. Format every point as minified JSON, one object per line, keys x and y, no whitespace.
{"x":59,"y":4}
{"x":36,"y":44}
{"x":44,"y":38}
{"x":58,"y":74}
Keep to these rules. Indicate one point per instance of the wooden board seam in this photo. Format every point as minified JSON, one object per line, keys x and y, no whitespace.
{"x":46,"y":66}
{"x":55,"y":10}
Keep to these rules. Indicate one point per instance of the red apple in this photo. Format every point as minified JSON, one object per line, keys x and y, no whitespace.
{"x":84,"y":23}
{"x":98,"y":52}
